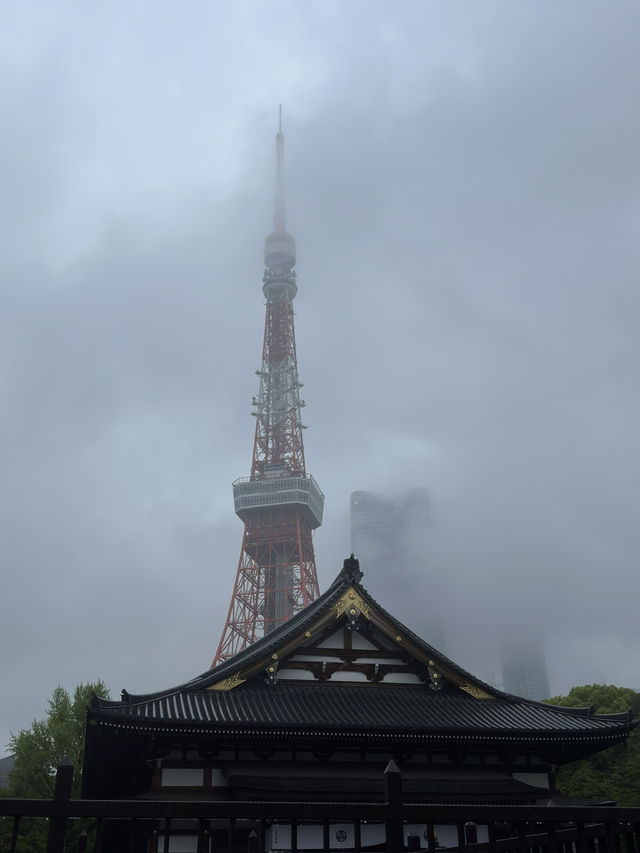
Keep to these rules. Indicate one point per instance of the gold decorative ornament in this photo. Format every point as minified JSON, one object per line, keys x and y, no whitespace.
{"x":476,"y":692}
{"x":398,"y":638}
{"x":351,"y":597}
{"x":274,"y":656}
{"x":228,"y":683}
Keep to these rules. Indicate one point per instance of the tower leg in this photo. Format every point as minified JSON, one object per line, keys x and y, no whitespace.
{"x":276,"y":578}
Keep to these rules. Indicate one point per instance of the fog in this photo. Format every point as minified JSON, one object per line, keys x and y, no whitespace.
{"x":463,"y":186}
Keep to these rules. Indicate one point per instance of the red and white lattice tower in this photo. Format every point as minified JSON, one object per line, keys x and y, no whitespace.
{"x":279,"y":503}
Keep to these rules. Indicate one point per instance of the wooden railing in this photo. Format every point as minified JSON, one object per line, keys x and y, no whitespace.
{"x":243,"y":826}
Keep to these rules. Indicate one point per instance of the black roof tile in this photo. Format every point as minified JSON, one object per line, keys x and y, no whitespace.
{"x":371,"y":708}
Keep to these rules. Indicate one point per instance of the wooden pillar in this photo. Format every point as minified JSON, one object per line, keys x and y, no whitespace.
{"x":393,"y":799}
{"x":14,"y":833}
{"x":61,"y":796}
{"x":326,"y":841}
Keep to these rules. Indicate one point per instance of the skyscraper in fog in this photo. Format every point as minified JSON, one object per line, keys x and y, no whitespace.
{"x":390,"y":537}
{"x":388,"y":531}
{"x":524,"y":668}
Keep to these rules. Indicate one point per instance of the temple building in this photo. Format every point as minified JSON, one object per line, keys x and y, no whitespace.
{"x":317,"y":708}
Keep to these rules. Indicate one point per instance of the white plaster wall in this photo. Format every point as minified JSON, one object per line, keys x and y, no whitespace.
{"x":538,"y":780}
{"x":174,"y":777}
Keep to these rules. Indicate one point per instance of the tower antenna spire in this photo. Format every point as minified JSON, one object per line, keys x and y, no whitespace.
{"x":278,"y":220}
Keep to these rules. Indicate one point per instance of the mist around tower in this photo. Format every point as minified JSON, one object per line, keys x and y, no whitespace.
{"x":462,"y":194}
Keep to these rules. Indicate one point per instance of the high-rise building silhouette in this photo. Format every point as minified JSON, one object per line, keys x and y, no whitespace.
{"x":279,"y":503}
{"x":388,"y":531}
{"x":524,"y":668}
{"x":391,"y":536}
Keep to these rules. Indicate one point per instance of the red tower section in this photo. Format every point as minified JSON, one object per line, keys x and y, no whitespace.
{"x":280,"y":504}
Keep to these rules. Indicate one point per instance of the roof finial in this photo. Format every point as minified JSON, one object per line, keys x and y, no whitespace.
{"x":351,"y":570}
{"x":278,"y":220}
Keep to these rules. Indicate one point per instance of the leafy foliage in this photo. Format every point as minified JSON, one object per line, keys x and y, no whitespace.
{"x":613,"y":774}
{"x":39,"y":750}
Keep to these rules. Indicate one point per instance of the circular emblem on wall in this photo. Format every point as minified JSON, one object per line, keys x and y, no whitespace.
{"x":341,"y":835}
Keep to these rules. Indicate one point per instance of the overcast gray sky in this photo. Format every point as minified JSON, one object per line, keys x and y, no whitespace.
{"x":463,"y":186}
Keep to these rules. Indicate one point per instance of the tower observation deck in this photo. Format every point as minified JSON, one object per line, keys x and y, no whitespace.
{"x":279,"y":503}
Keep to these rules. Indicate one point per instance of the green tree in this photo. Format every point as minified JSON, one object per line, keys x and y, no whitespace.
{"x":613,"y":774}
{"x":38,"y":751}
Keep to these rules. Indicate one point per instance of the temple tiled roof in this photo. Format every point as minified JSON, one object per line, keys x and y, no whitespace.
{"x":362,"y":709}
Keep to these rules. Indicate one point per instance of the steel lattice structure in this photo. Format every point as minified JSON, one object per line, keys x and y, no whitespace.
{"x":279,"y":503}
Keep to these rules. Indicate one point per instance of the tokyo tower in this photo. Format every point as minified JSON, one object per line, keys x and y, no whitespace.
{"x":280,"y":504}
